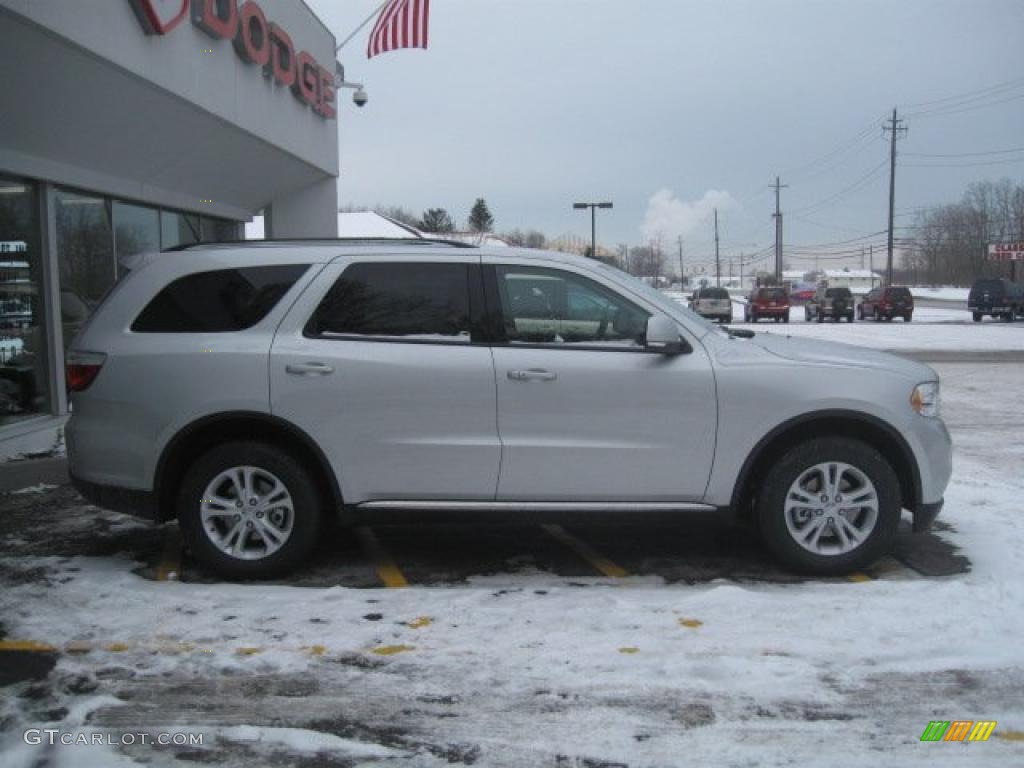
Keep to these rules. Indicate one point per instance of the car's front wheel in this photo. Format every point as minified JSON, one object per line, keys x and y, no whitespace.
{"x":829,"y":506}
{"x":249,"y":510}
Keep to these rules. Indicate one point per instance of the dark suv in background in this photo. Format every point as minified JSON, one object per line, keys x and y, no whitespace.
{"x":771,"y":302}
{"x":996,"y":297}
{"x":887,"y":303}
{"x":832,"y":303}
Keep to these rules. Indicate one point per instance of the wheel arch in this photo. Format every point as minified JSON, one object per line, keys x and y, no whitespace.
{"x":882,"y":436}
{"x":202,"y":434}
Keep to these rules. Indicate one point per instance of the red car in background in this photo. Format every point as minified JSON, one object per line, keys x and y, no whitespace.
{"x":801,"y":293}
{"x":887,"y":303}
{"x":771,"y":302}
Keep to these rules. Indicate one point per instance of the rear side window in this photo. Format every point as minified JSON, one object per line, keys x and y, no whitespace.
{"x":218,"y":301}
{"x":413,"y":301}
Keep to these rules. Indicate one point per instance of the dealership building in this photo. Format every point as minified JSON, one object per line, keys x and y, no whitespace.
{"x":130,"y":126}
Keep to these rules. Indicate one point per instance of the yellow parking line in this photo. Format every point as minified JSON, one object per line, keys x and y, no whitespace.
{"x":25,"y":645}
{"x":170,"y":560}
{"x":858,"y":576}
{"x":587,"y":552}
{"x":387,"y":570}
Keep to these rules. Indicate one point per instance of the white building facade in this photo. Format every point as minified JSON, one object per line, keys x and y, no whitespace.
{"x":139,"y":125}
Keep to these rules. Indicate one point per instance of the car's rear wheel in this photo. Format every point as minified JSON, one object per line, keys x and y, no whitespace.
{"x":976,"y":317}
{"x":907,"y":317}
{"x":830,"y":506}
{"x":785,"y":318}
{"x":249,"y":510}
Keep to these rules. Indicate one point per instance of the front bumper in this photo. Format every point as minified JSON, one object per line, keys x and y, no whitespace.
{"x":925,"y":515}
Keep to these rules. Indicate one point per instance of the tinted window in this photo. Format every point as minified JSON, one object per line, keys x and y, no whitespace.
{"x":547,"y":306}
{"x":424,"y":301}
{"x":838,"y":293}
{"x":899,"y":293}
{"x":218,"y":301}
{"x":714,"y":293}
{"x":988,"y":286}
{"x":767,"y":294}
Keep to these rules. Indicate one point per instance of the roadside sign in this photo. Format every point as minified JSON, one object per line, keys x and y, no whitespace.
{"x":1006,"y":251}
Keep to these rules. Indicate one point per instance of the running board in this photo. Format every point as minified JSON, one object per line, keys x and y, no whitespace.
{"x":538,"y":506}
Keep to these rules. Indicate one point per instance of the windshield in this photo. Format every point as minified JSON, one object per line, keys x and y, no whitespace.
{"x":656,"y":297}
{"x":838,"y":293}
{"x":771,"y":293}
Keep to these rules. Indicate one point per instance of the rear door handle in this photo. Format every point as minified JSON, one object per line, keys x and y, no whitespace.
{"x":532,"y":374}
{"x":309,"y":369}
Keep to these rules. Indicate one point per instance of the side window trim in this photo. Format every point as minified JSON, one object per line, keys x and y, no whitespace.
{"x":499,"y":337}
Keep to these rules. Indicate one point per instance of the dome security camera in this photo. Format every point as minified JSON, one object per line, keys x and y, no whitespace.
{"x":360,"y":98}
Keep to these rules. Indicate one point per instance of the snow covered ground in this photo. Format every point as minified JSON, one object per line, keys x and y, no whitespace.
{"x":932,"y":328}
{"x":528,"y":668}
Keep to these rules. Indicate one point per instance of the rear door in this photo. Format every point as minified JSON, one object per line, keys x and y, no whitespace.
{"x":585,"y":413}
{"x":379,"y":363}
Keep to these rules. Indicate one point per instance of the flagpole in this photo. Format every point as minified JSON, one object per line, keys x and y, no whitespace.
{"x":358,"y":29}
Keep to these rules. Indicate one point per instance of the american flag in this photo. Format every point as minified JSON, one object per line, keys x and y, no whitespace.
{"x":401,"y":24}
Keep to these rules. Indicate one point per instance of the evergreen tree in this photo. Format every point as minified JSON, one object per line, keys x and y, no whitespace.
{"x":480,"y":218}
{"x":436,"y":220}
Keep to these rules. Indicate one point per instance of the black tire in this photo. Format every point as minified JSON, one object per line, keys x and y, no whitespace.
{"x":819,"y":317}
{"x":785,"y":318}
{"x":849,"y":318}
{"x":976,"y":317}
{"x":307,"y":509}
{"x":860,"y":313}
{"x":776,"y":485}
{"x":888,"y":318}
{"x":907,"y":317}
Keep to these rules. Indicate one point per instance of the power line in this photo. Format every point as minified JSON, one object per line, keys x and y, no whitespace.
{"x":822,"y":204}
{"x":943,"y":112}
{"x":1006,"y":85}
{"x":966,"y":154}
{"x":1005,"y":161}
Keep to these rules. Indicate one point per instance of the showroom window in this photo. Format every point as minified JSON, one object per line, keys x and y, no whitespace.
{"x":219,"y":230}
{"x":549,"y":306}
{"x":24,"y":360}
{"x":85,"y":256}
{"x":178,"y":229}
{"x":136,"y":230}
{"x":417,"y":302}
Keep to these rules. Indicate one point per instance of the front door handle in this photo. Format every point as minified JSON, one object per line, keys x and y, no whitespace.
{"x":311,"y":368}
{"x":532,"y":374}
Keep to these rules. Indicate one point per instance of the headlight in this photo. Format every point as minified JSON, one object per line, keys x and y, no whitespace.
{"x":925,"y":398}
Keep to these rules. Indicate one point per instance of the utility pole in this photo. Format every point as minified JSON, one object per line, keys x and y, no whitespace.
{"x":718,"y":263}
{"x":895,"y":128}
{"x":741,"y":270}
{"x":778,"y":232}
{"x":682,"y":274}
{"x":862,"y":257}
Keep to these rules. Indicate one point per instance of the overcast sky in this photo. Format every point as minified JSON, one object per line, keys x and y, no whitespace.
{"x":671,"y":107}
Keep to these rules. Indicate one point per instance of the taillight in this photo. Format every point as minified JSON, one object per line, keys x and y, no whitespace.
{"x":82,"y":369}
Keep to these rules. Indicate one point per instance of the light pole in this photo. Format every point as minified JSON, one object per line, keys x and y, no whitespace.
{"x":593,"y":222}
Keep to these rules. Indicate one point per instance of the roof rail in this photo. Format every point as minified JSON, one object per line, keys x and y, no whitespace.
{"x":329,"y":241}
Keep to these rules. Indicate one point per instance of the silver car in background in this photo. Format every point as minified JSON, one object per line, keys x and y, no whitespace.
{"x":252,"y":391}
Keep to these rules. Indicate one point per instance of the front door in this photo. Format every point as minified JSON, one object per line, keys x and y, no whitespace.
{"x":376,"y":362}
{"x":585,"y":413}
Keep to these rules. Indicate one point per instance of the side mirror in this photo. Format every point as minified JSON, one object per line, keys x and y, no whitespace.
{"x":663,"y":336}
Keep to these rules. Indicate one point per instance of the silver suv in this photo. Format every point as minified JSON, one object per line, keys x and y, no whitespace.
{"x":252,"y":391}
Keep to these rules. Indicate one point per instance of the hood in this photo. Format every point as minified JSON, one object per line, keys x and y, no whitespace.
{"x":830,"y":353}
